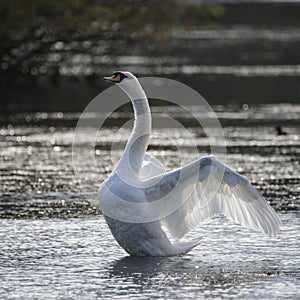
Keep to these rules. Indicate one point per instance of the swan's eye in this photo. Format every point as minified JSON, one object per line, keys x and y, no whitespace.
{"x":122,"y":76}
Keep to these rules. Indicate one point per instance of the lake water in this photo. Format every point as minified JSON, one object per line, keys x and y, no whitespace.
{"x":78,"y":258}
{"x":55,"y":243}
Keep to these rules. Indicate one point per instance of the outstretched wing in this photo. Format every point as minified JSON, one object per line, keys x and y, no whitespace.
{"x":206,"y":188}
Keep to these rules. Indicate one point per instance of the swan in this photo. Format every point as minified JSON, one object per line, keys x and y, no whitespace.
{"x":191,"y":194}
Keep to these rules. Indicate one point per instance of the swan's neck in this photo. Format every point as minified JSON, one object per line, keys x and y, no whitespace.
{"x":137,"y":144}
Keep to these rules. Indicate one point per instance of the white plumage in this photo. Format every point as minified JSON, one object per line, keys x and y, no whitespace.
{"x":139,"y":197}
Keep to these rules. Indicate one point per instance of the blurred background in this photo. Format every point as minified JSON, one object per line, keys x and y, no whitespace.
{"x":54,"y":53}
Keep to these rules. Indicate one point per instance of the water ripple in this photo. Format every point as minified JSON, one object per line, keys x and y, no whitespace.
{"x":78,"y":258}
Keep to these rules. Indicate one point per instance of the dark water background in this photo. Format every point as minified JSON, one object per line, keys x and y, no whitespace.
{"x":54,"y":241}
{"x":251,"y":55}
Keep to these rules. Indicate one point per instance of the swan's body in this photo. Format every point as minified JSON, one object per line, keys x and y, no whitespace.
{"x":199,"y":190}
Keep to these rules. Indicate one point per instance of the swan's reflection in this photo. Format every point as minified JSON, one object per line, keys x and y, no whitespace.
{"x":130,"y":265}
{"x":176,"y":270}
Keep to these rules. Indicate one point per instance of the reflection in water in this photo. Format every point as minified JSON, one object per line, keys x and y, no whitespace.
{"x":130,"y":265}
{"x":167,"y":276}
{"x":190,"y":270}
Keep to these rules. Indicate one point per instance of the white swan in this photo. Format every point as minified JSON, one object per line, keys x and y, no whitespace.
{"x":199,"y":190}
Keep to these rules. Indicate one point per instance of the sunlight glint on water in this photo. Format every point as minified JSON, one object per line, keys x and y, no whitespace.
{"x":55,"y":245}
{"x":78,"y":258}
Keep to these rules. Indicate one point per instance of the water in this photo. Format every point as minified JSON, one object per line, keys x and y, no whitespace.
{"x":78,"y":258}
{"x":54,"y":241}
{"x":56,"y":245}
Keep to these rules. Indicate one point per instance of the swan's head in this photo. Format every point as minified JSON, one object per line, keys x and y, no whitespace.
{"x":119,"y":77}
{"x":128,"y":83}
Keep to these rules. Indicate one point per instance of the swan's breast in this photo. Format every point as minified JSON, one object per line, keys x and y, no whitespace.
{"x":127,"y":203}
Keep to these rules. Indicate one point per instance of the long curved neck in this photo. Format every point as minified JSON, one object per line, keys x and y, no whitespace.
{"x":138,"y":142}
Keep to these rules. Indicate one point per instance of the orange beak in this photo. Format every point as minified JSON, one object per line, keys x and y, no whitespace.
{"x":113,"y":78}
